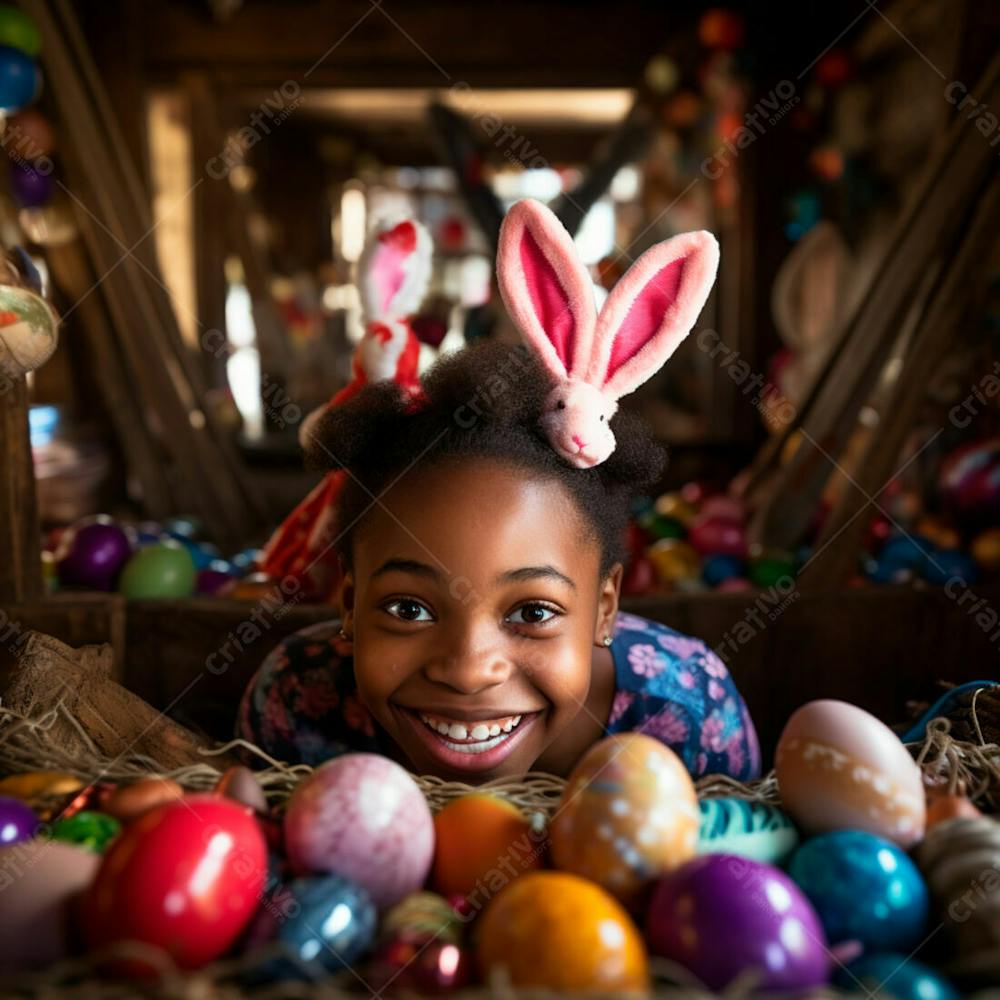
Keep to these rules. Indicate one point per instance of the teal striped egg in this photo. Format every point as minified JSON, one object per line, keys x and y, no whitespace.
{"x":752,"y":830}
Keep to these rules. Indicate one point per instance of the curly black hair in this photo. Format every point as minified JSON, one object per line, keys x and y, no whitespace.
{"x":481,"y":402}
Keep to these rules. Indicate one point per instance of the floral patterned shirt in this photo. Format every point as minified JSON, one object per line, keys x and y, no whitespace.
{"x":302,"y":706}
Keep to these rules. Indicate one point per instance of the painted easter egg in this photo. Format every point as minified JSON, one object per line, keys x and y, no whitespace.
{"x":91,"y":830}
{"x":480,"y":839}
{"x":892,"y":976}
{"x":675,"y":506}
{"x":719,"y":568}
{"x":864,"y":889}
{"x":159,"y":571}
{"x":20,"y":79}
{"x":324,"y":923}
{"x":28,"y":325}
{"x":427,"y":968}
{"x":629,"y":813}
{"x":558,"y":931}
{"x":721,"y":916}
{"x":773,"y":569}
{"x":44,"y":791}
{"x":186,"y":877}
{"x":840,"y":768}
{"x":986,"y":550}
{"x":718,"y":536}
{"x":362,"y":816}
{"x":40,"y":879}
{"x":18,"y":821}
{"x":723,"y":506}
{"x":18,"y":31}
{"x":421,"y":916}
{"x":943,"y":565}
{"x":748,"y":829}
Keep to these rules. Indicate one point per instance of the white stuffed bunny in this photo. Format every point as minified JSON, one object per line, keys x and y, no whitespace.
{"x":596,"y":359}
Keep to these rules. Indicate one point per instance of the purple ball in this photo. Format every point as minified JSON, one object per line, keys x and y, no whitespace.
{"x":30,"y":188}
{"x":17,"y":821}
{"x":96,"y":555}
{"x":720,"y":915}
{"x":211,"y":581}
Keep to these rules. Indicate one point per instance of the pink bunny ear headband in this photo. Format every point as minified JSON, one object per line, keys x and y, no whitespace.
{"x":594,"y":359}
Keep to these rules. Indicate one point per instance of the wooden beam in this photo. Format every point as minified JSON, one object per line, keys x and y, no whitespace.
{"x":20,"y":536}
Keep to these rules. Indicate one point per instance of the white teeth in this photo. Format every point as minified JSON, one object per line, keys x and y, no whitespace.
{"x":508,"y":725}
{"x":480,"y":732}
{"x":457,"y":731}
{"x":442,"y":728}
{"x":494,"y":730}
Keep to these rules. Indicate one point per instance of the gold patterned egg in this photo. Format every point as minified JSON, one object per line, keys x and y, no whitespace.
{"x":674,"y":560}
{"x":628,"y":815}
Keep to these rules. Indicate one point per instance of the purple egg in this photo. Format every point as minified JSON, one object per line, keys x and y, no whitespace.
{"x":95,"y":557}
{"x":17,"y":821}
{"x":211,"y":581}
{"x":30,"y":187}
{"x":721,"y":915}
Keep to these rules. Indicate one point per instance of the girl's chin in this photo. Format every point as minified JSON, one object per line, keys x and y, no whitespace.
{"x":431,"y":753}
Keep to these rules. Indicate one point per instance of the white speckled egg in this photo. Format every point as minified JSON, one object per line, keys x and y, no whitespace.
{"x":839,"y":768}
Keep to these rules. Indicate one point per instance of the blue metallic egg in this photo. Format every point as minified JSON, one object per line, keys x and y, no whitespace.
{"x":891,"y":976}
{"x":864,"y":888}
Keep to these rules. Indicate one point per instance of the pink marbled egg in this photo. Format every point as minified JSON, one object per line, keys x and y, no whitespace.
{"x":363,"y":817}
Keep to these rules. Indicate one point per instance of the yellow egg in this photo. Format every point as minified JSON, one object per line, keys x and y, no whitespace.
{"x":674,"y":560}
{"x":839,"y":768}
{"x":628,"y":815}
{"x":560,"y":932}
{"x":675,"y":506}
{"x":39,"y":785}
{"x":986,"y":549}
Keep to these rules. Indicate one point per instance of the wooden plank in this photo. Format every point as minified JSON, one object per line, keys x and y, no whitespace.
{"x":786,"y":504}
{"x":836,"y":560}
{"x":20,"y":536}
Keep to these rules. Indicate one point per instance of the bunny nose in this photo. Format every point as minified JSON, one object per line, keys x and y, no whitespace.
{"x":577,"y":440}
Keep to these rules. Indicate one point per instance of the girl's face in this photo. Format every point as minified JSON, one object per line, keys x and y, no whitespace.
{"x":475,"y":603}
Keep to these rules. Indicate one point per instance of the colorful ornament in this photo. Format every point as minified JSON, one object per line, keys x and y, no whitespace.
{"x":422,"y":916}
{"x":558,"y":931}
{"x":17,"y":821}
{"x":718,"y":536}
{"x":20,"y":79}
{"x":674,"y":560}
{"x":94,"y":556}
{"x":425,"y":967}
{"x":722,"y":916}
{"x":91,"y":830}
{"x":746,"y":828}
{"x":18,"y":31}
{"x":864,"y":889}
{"x":163,"y":570}
{"x":892,"y":976}
{"x":28,"y":335}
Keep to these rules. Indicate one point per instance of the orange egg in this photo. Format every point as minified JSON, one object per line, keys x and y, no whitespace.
{"x":482,"y":842}
{"x":629,"y":815}
{"x":941,"y":808}
{"x":558,"y":931}
{"x":129,"y":802}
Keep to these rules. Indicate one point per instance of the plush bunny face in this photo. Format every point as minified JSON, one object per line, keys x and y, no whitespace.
{"x":593,"y":359}
{"x":576,"y":420}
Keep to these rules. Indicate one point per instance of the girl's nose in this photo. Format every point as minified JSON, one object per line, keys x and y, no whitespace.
{"x":469,"y":669}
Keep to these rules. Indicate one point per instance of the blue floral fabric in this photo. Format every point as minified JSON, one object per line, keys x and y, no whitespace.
{"x":302,"y":706}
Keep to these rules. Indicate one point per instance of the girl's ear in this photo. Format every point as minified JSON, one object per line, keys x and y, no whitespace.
{"x":546,"y":288}
{"x":394,"y":270}
{"x":607,"y":604}
{"x":651,"y":310}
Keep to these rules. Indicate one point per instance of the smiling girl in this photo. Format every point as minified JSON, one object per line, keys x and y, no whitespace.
{"x":481,"y":533}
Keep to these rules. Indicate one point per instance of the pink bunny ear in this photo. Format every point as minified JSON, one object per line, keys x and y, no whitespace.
{"x":394,"y":269}
{"x":546,"y":288}
{"x":651,"y":310}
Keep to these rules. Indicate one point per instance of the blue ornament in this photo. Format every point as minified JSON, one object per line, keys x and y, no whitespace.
{"x":203,"y":554}
{"x":944,"y":564}
{"x":864,"y":888}
{"x":324,"y":924}
{"x":717,"y":568}
{"x":245,"y":561}
{"x":900,"y":559}
{"x":888,"y":976}
{"x":748,"y":829}
{"x":184,"y":527}
{"x":20,"y":80}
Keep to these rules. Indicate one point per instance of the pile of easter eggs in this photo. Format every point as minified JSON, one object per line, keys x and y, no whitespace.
{"x":694,"y":540}
{"x":148,"y":560}
{"x":630,"y":872}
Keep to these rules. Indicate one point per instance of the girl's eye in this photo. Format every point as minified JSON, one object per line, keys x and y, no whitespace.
{"x":408,"y":610}
{"x":532,"y":614}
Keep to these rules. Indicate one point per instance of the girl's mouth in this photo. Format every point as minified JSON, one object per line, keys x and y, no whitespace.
{"x":470,"y":745}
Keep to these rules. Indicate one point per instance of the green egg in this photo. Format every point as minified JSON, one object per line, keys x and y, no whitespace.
{"x":92,"y":830}
{"x":157,"y":571}
{"x":769,"y":570}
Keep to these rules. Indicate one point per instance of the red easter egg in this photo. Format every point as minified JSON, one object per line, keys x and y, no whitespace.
{"x":186,"y":877}
{"x":718,"y":536}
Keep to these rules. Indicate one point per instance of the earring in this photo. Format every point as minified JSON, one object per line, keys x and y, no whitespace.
{"x":342,"y":634}
{"x":608,"y":640}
